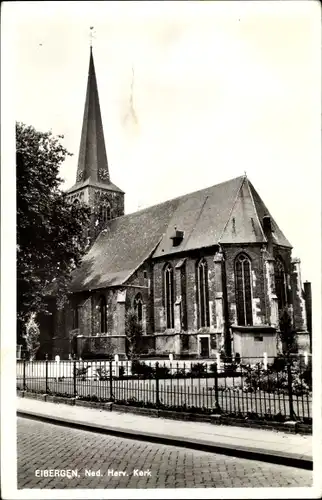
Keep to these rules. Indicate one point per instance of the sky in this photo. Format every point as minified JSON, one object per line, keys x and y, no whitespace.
{"x":219,"y":89}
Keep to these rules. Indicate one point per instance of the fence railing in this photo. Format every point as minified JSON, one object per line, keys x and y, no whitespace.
{"x":273,"y":388}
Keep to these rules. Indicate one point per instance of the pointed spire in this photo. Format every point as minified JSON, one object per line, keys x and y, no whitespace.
{"x":92,"y":160}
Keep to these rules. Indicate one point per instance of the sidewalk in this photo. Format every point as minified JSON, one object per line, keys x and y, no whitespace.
{"x":265,"y":445}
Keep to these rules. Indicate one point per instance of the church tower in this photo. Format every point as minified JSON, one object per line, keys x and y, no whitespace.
{"x":93,"y":184}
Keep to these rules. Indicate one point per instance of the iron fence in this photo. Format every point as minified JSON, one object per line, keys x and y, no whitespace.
{"x":272,"y":388}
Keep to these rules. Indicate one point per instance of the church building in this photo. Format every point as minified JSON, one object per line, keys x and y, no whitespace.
{"x":206,"y":272}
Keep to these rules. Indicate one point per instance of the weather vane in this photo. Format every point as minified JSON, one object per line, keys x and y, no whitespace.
{"x":91,"y":35}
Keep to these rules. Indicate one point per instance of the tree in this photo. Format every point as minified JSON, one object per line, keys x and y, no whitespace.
{"x":50,"y":230}
{"x":287,"y":332}
{"x":32,"y":337}
{"x":133,"y":332}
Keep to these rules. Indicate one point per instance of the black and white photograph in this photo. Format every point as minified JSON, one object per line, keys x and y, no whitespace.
{"x":161,"y":236}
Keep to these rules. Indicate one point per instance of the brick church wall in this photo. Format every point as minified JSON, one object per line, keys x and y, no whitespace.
{"x":116,"y":200}
{"x":286,"y":256}
{"x":158,"y":283}
{"x":148,"y":281}
{"x":141,"y":282}
{"x":190,"y":287}
{"x":258,"y":282}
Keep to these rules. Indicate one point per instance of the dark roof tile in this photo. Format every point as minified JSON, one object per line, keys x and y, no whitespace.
{"x":230,"y":212}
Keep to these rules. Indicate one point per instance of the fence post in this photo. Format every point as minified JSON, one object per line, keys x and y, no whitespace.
{"x":24,"y":373}
{"x":74,"y":376}
{"x":157,"y":390}
{"x":306,"y":358}
{"x":290,"y":390}
{"x":217,"y":407}
{"x":57,"y":360}
{"x":46,"y":357}
{"x":265,"y":360}
{"x":111,"y":380}
{"x":117,"y":368}
{"x":218,"y":361}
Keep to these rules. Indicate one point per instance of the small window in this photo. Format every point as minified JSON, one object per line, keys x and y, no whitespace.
{"x":145,"y":275}
{"x":258,"y":338}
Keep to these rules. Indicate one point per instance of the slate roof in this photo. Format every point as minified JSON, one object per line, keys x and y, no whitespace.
{"x":122,"y":247}
{"x":88,"y":182}
{"x":262,"y":210}
{"x":226,"y":213}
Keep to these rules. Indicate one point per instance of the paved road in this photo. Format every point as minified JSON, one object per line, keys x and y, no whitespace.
{"x":47,"y":449}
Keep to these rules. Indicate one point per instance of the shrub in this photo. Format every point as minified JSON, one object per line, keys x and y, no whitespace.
{"x":133,"y":332}
{"x":287,"y":332}
{"x":102,"y":373}
{"x":198,"y":370}
{"x":90,"y":355}
{"x":213,"y":367}
{"x":180,"y":373}
{"x":279,"y":364}
{"x":163,"y":372}
{"x":275,"y":378}
{"x":32,"y":336}
{"x":82,"y":372}
{"x":230,"y":368}
{"x":142,"y":370}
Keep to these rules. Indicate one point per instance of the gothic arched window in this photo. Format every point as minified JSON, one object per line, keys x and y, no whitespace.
{"x":169,"y":295}
{"x":105,"y":213}
{"x":102,"y":312}
{"x":280,"y":283}
{"x":243,"y":290}
{"x":138,"y":306}
{"x":202,"y":294}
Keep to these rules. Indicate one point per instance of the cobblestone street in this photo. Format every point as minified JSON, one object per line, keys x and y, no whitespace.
{"x":49,"y":449}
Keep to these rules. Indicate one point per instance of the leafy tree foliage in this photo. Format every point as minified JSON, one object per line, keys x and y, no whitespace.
{"x":133,"y":332}
{"x":50,"y":230}
{"x":32,"y":336}
{"x":287,"y":332}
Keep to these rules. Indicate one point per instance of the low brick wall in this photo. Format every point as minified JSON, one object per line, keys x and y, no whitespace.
{"x":289,"y":427}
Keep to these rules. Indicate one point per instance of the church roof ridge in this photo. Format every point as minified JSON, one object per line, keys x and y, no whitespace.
{"x":181,"y":196}
{"x":202,"y":215}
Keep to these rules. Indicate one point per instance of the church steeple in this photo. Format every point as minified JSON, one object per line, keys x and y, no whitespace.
{"x":92,"y":160}
{"x":93,"y":185}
